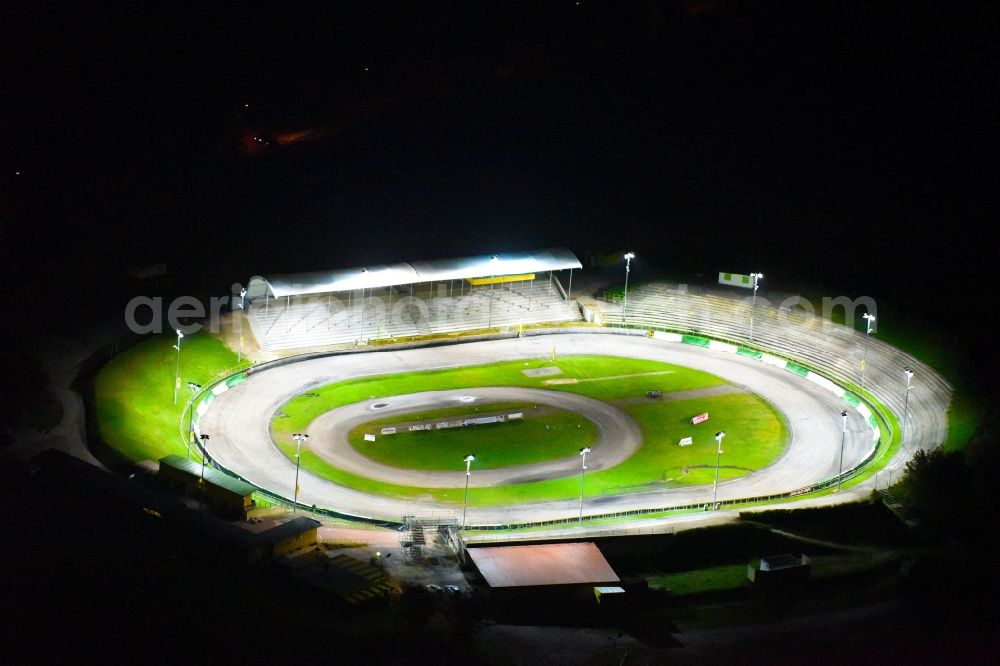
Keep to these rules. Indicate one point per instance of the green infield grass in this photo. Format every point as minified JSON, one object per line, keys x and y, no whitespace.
{"x":134,"y":393}
{"x":686,"y":583}
{"x":599,"y":377}
{"x":544,"y":433}
{"x":757,"y":434}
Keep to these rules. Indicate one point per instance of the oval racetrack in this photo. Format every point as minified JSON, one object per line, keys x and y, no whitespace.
{"x":239,"y":419}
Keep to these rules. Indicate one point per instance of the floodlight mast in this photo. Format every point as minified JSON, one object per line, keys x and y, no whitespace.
{"x":494,"y":260}
{"x":906,"y":402}
{"x":870,"y":318}
{"x":753,"y":304}
{"x":194,"y":388}
{"x":629,"y":256}
{"x":177,"y":370}
{"x":843,"y":437}
{"x":204,"y":453}
{"x":201,"y":482}
{"x":243,"y":306}
{"x":364,"y":271}
{"x":299,"y":438}
{"x":718,"y":457}
{"x":468,"y":472}
{"x":583,"y":472}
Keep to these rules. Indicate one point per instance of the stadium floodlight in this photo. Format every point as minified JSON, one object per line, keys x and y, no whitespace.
{"x":493,"y":261}
{"x":906,"y":400}
{"x":870,"y":318}
{"x":177,"y":370}
{"x":364,"y":271}
{"x":299,"y":438}
{"x":204,"y":453}
{"x":718,"y":457}
{"x":468,"y":472}
{"x":843,"y":437}
{"x":201,"y":482}
{"x":583,"y":472}
{"x":194,"y":388}
{"x":243,"y":307}
{"x":629,"y":256}
{"x":753,"y":304}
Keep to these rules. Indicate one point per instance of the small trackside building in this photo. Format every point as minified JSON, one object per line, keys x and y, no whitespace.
{"x":780,"y":570}
{"x":227,"y":497}
{"x":290,"y":538}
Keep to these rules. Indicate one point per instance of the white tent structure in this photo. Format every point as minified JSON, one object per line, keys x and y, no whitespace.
{"x":355,"y":305}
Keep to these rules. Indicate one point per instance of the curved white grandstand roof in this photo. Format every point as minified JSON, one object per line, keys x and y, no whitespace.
{"x":299,"y":284}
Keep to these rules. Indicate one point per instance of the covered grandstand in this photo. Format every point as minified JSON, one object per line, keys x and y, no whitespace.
{"x":356,"y":305}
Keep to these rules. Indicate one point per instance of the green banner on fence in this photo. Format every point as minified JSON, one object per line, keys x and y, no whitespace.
{"x":797,"y":369}
{"x":236,"y":379}
{"x":695,"y":340}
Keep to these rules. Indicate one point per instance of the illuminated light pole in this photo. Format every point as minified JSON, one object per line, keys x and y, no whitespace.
{"x":201,"y":481}
{"x":583,"y":472}
{"x":177,"y":370}
{"x":364,"y":271}
{"x":468,"y":472}
{"x":204,"y":454}
{"x":718,"y":457}
{"x":906,"y":400}
{"x":628,"y":267}
{"x":299,"y":438}
{"x":753,"y":304}
{"x":243,"y":307}
{"x":870,"y":318}
{"x":194,"y":388}
{"x":843,"y":437}
{"x":493,"y":262}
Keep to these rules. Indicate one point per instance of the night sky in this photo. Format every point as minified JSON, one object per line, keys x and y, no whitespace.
{"x":850,"y":146}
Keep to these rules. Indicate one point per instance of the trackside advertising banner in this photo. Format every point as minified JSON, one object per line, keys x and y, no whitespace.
{"x":736,"y":280}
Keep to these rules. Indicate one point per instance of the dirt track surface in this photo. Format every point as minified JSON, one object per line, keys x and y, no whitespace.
{"x":618,"y":437}
{"x":239,"y":423}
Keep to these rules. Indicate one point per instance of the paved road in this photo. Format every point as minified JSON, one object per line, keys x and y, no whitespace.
{"x":238,"y":422}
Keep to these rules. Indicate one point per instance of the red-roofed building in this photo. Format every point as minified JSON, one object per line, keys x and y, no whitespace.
{"x":557,"y":566}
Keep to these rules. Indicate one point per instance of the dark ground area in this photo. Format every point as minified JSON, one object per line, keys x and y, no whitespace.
{"x":105,"y":581}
